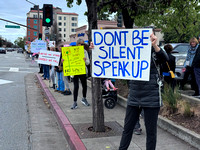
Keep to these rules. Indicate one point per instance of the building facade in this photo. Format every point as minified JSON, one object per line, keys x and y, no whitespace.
{"x":64,"y":24}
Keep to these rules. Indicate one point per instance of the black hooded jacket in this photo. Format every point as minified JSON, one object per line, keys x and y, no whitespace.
{"x":148,"y":93}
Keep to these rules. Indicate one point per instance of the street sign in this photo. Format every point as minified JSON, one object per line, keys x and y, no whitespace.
{"x":12,"y":26}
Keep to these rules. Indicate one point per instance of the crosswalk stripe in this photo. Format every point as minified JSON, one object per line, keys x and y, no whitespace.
{"x":14,"y":69}
{"x":5,"y":81}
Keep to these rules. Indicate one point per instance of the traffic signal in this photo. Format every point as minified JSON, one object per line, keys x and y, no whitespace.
{"x":40,"y":36}
{"x":47,"y":15}
{"x":119,"y":20}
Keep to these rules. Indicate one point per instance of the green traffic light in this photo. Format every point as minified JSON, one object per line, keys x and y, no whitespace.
{"x":48,"y":20}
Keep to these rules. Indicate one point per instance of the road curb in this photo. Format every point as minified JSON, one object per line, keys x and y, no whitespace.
{"x":186,"y":135}
{"x":70,"y":134}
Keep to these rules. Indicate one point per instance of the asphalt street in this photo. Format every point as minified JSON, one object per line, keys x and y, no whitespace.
{"x":26,"y":121}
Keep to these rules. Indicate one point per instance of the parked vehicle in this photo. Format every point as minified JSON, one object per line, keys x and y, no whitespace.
{"x":2,"y":50}
{"x":20,"y":50}
{"x":10,"y":49}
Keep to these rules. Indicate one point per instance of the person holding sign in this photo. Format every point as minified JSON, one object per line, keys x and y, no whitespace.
{"x":83,"y":79}
{"x":146,"y":96}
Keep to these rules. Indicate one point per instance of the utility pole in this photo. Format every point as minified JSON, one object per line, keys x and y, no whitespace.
{"x":38,"y":19}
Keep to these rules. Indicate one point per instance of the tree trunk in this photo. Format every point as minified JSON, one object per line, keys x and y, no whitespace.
{"x":97,"y":102}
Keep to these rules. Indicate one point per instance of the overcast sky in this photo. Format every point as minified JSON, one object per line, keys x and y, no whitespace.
{"x":16,"y":10}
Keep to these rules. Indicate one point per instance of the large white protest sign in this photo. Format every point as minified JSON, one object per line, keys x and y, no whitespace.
{"x":121,"y":54}
{"x":38,"y":45}
{"x":49,"y":58}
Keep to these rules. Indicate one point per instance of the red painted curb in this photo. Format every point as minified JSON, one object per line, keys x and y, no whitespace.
{"x":71,"y":136}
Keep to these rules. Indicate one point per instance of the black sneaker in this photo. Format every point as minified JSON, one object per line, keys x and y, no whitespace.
{"x":67,"y":93}
{"x":74,"y":106}
{"x":137,"y":131}
{"x":85,"y":102}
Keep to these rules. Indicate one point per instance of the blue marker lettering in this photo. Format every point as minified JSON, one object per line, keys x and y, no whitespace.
{"x":121,"y":52}
{"x":133,"y":66}
{"x":110,"y":38}
{"x":114,"y":57}
{"x":120,"y":69}
{"x":136,"y":37}
{"x":105,"y":65}
{"x":142,"y":67}
{"x":118,"y":38}
{"x":130,"y":51}
{"x":96,"y":63}
{"x":114,"y":68}
{"x":124,"y":66}
{"x":95,"y":41}
{"x":125,"y":32}
{"x":106,"y":53}
{"x":144,"y":37}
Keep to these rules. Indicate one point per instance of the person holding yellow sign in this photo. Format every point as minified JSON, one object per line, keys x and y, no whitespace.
{"x":83,"y":78}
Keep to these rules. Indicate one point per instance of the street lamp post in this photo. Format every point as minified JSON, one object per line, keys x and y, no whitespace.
{"x":38,"y":22}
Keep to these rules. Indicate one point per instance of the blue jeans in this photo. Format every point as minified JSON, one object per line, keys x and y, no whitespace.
{"x":46,"y":71}
{"x":61,"y":85}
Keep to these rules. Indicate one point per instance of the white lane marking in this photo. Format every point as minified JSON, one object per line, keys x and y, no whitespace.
{"x":5,"y":81}
{"x":14,"y":69}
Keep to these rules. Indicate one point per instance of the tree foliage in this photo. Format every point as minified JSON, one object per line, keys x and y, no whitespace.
{"x":20,"y":42}
{"x":179,"y":22}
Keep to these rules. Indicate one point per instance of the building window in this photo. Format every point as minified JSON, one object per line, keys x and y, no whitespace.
{"x":60,"y":35}
{"x":35,"y":33}
{"x":64,"y":24}
{"x":64,"y":29}
{"x":64,"y":40}
{"x":34,"y":16}
{"x":60,"y":23}
{"x":74,"y":24}
{"x":35,"y":27}
{"x":34,"y":38}
{"x":29,"y":38}
{"x":64,"y":35}
{"x":28,"y":20}
{"x":35,"y":21}
{"x":60,"y":29}
{"x":74,"y":18}
{"x":29,"y":33}
{"x":64,"y":18}
{"x":59,"y":18}
{"x":40,"y":16}
{"x":73,"y":30}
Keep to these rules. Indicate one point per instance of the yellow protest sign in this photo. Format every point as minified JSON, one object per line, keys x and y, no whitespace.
{"x":73,"y":63}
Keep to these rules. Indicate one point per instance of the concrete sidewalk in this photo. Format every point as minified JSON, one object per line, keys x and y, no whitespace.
{"x":75,"y":124}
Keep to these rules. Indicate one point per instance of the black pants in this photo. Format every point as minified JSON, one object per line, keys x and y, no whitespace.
{"x":190,"y":71}
{"x":76,"y":85}
{"x":150,"y":119}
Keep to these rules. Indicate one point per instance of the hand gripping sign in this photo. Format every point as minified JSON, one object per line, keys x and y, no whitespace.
{"x":121,"y":54}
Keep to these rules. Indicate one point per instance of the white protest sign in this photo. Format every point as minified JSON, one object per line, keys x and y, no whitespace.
{"x":37,"y":46}
{"x":122,"y":54}
{"x":52,"y":44}
{"x":49,"y":58}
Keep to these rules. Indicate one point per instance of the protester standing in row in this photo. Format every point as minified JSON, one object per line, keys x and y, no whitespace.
{"x":46,"y":69}
{"x":188,"y":65}
{"x":145,"y":95}
{"x":169,"y":66}
{"x":83,"y":79}
{"x":59,"y":71}
{"x":52,"y":72}
{"x":66,"y":81}
{"x":196,"y":66}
